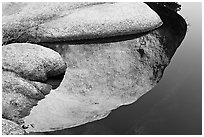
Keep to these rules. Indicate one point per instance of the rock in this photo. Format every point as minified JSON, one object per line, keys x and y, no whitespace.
{"x":20,"y":95}
{"x":103,"y":76}
{"x":49,"y":22}
{"x":11,"y":128}
{"x":25,"y":67}
{"x":99,"y":78}
{"x":103,"y":73}
{"x":32,"y":61}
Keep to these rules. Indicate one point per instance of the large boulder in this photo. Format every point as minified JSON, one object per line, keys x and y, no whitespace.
{"x":49,"y":22}
{"x":115,"y":53}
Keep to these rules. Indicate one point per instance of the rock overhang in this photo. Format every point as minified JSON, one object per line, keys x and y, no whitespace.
{"x":86,"y":22}
{"x":134,"y":27}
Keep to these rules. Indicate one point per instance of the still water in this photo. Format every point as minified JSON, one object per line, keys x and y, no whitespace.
{"x":174,"y":106}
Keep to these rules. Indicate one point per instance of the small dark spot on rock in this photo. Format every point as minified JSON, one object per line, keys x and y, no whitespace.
{"x":32,"y":125}
{"x":14,"y":103}
{"x":89,"y":87}
{"x":141,"y":51}
{"x":24,"y":126}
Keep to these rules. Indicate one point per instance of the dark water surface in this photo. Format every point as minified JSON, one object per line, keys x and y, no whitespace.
{"x":174,"y":106}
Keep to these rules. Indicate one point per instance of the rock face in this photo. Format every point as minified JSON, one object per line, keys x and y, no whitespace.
{"x":11,"y":128}
{"x":32,"y":61}
{"x":107,"y":67}
{"x":26,"y":68}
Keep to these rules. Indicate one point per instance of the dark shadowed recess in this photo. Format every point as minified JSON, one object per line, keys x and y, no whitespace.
{"x":172,"y":21}
{"x":55,"y":81}
{"x":98,"y":40}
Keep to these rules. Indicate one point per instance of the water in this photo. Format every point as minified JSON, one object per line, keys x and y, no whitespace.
{"x":174,"y":106}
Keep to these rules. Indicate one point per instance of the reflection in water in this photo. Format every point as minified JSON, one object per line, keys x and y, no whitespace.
{"x":94,"y":128}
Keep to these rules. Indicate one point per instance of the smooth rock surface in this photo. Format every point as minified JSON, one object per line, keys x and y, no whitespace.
{"x":48,"y":22}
